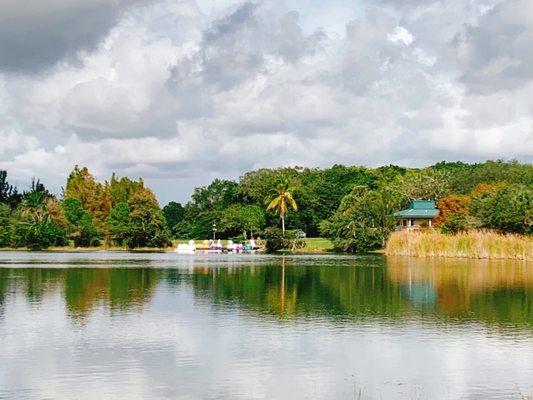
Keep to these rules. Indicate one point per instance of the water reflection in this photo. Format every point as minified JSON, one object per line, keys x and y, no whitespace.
{"x":160,"y":326}
{"x":488,"y":292}
{"x":82,"y":289}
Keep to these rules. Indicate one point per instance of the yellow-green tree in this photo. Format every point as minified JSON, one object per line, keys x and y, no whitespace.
{"x":93,"y":196}
{"x":282,"y":200}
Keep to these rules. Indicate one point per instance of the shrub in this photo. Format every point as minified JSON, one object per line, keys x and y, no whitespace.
{"x":459,"y":223}
{"x":274,"y":239}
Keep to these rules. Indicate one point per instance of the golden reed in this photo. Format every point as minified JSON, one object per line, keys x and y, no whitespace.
{"x":473,"y":244}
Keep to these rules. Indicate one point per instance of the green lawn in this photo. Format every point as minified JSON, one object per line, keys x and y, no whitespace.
{"x":316,"y":245}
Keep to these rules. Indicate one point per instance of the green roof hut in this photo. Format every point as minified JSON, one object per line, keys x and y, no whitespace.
{"x":420,"y":213}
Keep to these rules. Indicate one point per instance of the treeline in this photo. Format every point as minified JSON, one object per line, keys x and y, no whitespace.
{"x":238,"y":209}
{"x":351,"y":205}
{"x":120,"y":212}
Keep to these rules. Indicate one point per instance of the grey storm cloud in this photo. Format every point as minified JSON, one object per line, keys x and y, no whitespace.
{"x":36,"y":34}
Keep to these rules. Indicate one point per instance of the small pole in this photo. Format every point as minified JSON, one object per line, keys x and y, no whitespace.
{"x":214,"y":230}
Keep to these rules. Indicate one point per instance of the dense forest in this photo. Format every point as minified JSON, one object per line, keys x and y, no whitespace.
{"x":351,"y":205}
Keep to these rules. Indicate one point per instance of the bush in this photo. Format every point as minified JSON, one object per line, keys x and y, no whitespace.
{"x":238,"y":239}
{"x":41,"y":235}
{"x":275,"y":240}
{"x":459,"y":223}
{"x":292,"y":242}
{"x":95,"y":242}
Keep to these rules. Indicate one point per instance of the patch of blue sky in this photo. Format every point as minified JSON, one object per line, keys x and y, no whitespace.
{"x":331,"y":16}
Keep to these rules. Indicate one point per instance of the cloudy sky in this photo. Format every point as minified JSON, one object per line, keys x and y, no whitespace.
{"x":182,"y":91}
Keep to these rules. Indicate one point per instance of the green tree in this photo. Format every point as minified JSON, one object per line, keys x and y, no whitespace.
{"x":506,"y":208}
{"x":242,"y":218}
{"x":118,"y":223}
{"x":7,"y":222}
{"x":364,"y":219}
{"x":174,"y":213}
{"x":465,"y":177}
{"x":318,"y":192}
{"x":148,"y":226}
{"x":38,"y":228}
{"x":282,"y":200}
{"x":123,"y":189}
{"x":252,"y":219}
{"x":388,"y":174}
{"x":255,"y":186}
{"x":5,"y":188}
{"x":431,"y":184}
{"x":201,"y":227}
{"x":8,"y":193}
{"x":93,"y":196}
{"x":218,"y":195}
{"x":33,"y":207}
{"x":81,"y":227}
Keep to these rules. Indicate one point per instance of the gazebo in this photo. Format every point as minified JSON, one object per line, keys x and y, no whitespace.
{"x":420,"y":213}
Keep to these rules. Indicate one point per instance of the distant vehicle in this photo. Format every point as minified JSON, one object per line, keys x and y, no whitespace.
{"x":301,"y":234}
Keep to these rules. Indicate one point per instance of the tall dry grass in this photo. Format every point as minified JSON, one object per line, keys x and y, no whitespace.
{"x":473,"y":244}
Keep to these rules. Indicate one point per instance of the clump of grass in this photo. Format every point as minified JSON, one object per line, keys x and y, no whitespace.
{"x":473,"y":244}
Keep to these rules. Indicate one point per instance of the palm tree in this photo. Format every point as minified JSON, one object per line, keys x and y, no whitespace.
{"x":33,"y":206}
{"x":282,"y":200}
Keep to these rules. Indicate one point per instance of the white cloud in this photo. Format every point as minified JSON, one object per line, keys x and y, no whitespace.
{"x":400,"y":34}
{"x":188,"y":90}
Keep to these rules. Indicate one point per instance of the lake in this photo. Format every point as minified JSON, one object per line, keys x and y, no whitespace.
{"x":160,"y":325}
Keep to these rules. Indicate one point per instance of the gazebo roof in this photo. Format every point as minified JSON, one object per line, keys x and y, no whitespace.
{"x":419,"y":209}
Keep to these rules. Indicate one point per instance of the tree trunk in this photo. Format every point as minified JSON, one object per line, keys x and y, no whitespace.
{"x":283,"y":224}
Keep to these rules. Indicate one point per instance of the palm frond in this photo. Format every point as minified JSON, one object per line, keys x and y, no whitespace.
{"x":274,"y":203}
{"x":291,"y":201}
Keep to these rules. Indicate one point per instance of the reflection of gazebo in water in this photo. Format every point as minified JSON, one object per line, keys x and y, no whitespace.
{"x":451,"y":285}
{"x":421,"y":294}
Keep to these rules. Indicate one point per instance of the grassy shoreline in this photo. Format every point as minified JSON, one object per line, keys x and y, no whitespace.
{"x":71,"y":249}
{"x":473,"y":244}
{"x":313,"y":246}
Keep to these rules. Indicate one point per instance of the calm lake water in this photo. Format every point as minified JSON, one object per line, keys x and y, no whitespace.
{"x":151,"y":326}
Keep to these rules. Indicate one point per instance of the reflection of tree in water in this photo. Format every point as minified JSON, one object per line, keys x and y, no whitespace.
{"x":463,"y":290}
{"x":119,"y":288}
{"x":83,"y":288}
{"x":489,"y":291}
{"x":287,"y":289}
{"x":3,"y":291}
{"x":34,"y":282}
